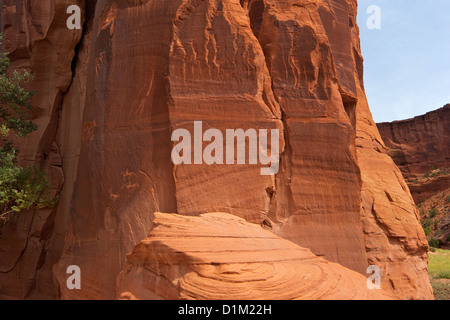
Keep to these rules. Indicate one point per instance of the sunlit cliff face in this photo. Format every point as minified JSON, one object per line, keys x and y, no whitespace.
{"x":111,"y":95}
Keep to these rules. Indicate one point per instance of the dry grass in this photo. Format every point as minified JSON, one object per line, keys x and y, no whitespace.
{"x":439,"y":272}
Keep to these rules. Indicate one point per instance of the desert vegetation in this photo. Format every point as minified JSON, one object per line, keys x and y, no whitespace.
{"x":21,"y":188}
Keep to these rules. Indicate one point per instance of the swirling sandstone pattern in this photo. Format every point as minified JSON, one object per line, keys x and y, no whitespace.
{"x":111,"y":94}
{"x":220,"y":256}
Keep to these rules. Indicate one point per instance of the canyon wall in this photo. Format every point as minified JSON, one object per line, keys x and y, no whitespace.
{"x":419,"y":146}
{"x":111,"y":94}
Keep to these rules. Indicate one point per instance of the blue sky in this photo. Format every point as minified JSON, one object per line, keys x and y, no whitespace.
{"x":407,"y":61}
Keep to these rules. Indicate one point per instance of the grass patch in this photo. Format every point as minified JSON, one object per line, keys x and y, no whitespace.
{"x":443,"y":275}
{"x":439,"y":263}
{"x":439,"y":272}
{"x":441,"y":289}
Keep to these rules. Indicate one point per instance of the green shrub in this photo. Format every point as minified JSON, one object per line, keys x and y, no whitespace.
{"x":20,"y":188}
{"x":427,"y":230}
{"x":437,"y":173}
{"x":433,"y":243}
{"x":427,"y":174}
{"x":432,"y":213}
{"x":427,"y":222}
{"x":444,"y":275}
{"x":436,"y":223}
{"x":448,"y":198}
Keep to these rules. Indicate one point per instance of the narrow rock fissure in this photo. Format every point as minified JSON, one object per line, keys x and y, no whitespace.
{"x":49,"y":224}
{"x":48,"y":228}
{"x":255,"y":12}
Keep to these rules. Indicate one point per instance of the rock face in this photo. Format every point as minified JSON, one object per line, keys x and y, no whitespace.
{"x":420,"y":146}
{"x":220,"y":256}
{"x":111,"y":94}
{"x":435,"y":218}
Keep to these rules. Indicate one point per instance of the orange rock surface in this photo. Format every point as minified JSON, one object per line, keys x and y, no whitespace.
{"x":220,"y":256}
{"x":110,"y":95}
{"x":419,"y":146}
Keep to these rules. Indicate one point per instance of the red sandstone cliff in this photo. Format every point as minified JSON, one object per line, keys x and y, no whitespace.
{"x":421,"y":149}
{"x":111,"y":94}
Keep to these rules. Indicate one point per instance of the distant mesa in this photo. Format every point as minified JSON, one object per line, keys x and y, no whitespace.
{"x":420,"y":147}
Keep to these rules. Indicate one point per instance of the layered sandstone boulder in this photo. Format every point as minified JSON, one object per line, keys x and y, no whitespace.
{"x":220,"y":256}
{"x":111,"y":94}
